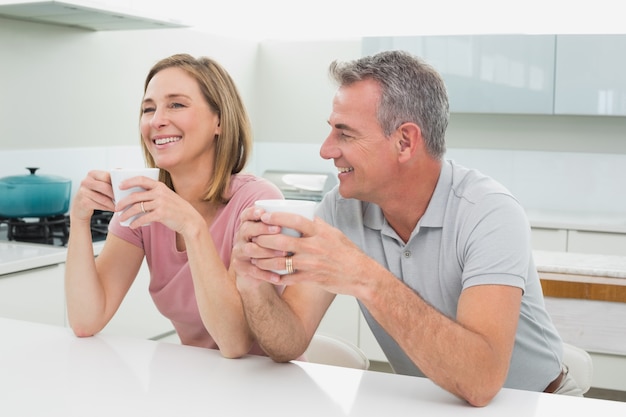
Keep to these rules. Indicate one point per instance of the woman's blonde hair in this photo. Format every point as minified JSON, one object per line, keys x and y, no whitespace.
{"x":232,"y":147}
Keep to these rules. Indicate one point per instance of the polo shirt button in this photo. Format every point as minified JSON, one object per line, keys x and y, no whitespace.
{"x":407,"y":253}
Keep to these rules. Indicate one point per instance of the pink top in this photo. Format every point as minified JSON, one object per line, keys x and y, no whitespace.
{"x":171,"y":286}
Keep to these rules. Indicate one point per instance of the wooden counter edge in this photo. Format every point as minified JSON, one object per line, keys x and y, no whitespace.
{"x":583,"y":287}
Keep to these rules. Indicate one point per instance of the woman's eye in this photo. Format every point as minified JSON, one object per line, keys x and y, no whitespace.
{"x":147,"y":110}
{"x":176,"y":105}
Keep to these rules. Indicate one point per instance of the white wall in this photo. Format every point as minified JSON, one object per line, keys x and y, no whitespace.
{"x":74,"y":96}
{"x":332,"y":19}
{"x":65,"y":87}
{"x":294,"y":93}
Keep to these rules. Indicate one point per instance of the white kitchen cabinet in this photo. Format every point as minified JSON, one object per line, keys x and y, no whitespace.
{"x":590,"y":75}
{"x":524,"y":74}
{"x":34,"y":295}
{"x":578,"y":241}
{"x":368,"y":343}
{"x":138,"y":316}
{"x":594,"y":325}
{"x":608,"y":371}
{"x":486,"y":73}
{"x":549,"y":239}
{"x":602,"y":243}
{"x":598,"y":327}
{"x":101,"y":15}
{"x":342,"y":319}
{"x":345,"y":320}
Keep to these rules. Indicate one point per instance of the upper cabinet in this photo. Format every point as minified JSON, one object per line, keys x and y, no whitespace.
{"x":524,"y":74}
{"x":591,"y":75}
{"x":484,"y":73}
{"x":83,"y":14}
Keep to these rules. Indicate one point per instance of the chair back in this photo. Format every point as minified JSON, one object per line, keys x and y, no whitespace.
{"x":580,"y":365}
{"x":331,"y":350}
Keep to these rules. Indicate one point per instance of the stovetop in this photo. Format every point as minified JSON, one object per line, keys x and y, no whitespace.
{"x":52,"y":230}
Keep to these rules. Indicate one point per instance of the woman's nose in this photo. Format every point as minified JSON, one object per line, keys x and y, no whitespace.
{"x":159,"y":119}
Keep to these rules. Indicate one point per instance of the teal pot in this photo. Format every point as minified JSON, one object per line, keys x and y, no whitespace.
{"x":33,"y":195}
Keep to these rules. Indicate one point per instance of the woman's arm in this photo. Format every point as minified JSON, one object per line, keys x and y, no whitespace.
{"x":218,"y":300}
{"x":95,"y":288}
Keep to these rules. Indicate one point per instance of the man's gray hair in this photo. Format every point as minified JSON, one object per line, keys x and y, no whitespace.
{"x":412,"y":91}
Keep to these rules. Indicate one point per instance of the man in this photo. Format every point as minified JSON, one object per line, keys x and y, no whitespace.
{"x":438,"y":256}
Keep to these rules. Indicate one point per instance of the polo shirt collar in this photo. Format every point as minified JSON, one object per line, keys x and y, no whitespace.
{"x":433,"y":217}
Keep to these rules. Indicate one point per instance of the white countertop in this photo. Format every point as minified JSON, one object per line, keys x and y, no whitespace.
{"x":19,"y":256}
{"x":569,"y":263}
{"x":46,"y":370}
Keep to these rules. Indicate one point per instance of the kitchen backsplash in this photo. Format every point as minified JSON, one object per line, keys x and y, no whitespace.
{"x":554,"y":181}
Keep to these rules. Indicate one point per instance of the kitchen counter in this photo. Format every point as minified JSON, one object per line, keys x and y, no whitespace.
{"x":48,"y":371}
{"x":585,"y":221}
{"x":17,"y":256}
{"x":603,"y":268}
{"x":586,"y":298}
{"x":20,"y":256}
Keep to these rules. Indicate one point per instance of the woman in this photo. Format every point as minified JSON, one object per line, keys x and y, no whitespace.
{"x":195,"y":129}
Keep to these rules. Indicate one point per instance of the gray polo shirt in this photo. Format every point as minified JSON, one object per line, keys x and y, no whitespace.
{"x":474,"y":232}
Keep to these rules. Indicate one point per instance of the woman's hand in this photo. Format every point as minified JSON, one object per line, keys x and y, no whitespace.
{"x":95,"y":193}
{"x":159,"y":204}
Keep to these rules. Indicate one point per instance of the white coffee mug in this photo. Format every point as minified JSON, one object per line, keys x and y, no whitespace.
{"x":120,"y":174}
{"x":302,"y":207}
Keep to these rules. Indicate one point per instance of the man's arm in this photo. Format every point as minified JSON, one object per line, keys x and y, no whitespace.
{"x":284,"y":325}
{"x":468,"y":356}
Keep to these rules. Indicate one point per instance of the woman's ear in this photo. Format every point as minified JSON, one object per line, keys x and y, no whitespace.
{"x":218,"y":128}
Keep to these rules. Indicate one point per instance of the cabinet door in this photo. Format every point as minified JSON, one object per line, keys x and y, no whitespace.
{"x":368,"y":343}
{"x":486,"y":73}
{"x":596,"y":243}
{"x":138,"y":316}
{"x":549,"y":239}
{"x":342,"y":319}
{"x":590,"y":75}
{"x":34,"y":295}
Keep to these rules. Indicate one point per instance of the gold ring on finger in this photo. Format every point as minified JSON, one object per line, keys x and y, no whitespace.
{"x":289,"y":265}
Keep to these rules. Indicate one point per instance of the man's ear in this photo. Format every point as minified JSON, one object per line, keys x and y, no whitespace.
{"x":409,"y":140}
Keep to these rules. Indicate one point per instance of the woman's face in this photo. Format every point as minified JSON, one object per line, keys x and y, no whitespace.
{"x":177,"y":125}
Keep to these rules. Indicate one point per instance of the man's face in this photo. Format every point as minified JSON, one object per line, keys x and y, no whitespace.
{"x":363,"y":155}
